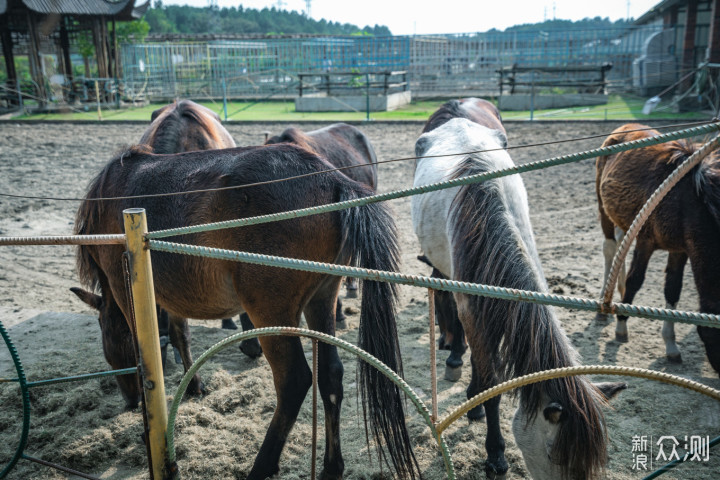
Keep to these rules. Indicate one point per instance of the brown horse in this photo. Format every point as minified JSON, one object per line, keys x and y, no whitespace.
{"x":343,"y":146}
{"x":194,"y":287}
{"x":184,"y":126}
{"x":686,"y":224}
{"x":474,"y":109}
{"x":340,"y":144}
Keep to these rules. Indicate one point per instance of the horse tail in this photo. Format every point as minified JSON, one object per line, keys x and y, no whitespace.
{"x":370,"y":240}
{"x":707,"y":184}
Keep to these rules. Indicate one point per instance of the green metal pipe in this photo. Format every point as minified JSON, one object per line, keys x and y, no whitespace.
{"x":562,"y":160}
{"x":86,"y":376}
{"x":25,"y":402}
{"x":704,"y":319}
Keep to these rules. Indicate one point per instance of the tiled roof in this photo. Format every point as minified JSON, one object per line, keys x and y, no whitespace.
{"x":118,"y":8}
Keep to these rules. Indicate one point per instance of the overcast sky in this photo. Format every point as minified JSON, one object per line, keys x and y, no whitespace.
{"x":406,"y":17}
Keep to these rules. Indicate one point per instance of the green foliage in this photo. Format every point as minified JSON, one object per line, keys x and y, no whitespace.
{"x":240,"y":20}
{"x":132,"y":32}
{"x":559,"y":24}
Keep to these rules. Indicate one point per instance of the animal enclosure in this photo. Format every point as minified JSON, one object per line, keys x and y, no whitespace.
{"x":569,"y":247}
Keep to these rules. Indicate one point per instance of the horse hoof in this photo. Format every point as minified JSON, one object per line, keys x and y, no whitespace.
{"x":251,"y":348}
{"x":228,"y":324}
{"x":674,"y":358}
{"x":621,"y":337}
{"x":453,"y":374}
{"x":496,"y":472}
{"x":351,"y":292}
{"x":476,"y":414}
{"x":602,"y":317}
{"x":494,"y":476}
{"x":340,"y":324}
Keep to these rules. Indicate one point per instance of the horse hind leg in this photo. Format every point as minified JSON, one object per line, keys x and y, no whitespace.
{"x":250,"y":347}
{"x":292,"y":379}
{"x":319,"y":316}
{"x":496,"y":465}
{"x":636,"y":277}
{"x":180,"y":339}
{"x":610,"y":246}
{"x":673,"y":286}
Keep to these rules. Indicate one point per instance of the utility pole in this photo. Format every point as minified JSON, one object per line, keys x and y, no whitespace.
{"x":307,"y":8}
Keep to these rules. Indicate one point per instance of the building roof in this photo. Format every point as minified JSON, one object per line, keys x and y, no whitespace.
{"x":121,"y":9}
{"x":657,"y":10}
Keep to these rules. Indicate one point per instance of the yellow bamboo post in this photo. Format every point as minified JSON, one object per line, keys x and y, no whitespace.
{"x":148,"y":338}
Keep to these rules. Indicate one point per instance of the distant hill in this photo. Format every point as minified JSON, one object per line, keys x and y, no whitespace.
{"x":557,"y":24}
{"x":184,"y":19}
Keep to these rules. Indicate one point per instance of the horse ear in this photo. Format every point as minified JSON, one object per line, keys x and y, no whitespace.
{"x":554,"y":413}
{"x":611,"y":389}
{"x":90,"y":298}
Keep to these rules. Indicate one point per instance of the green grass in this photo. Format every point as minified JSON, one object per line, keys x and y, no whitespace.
{"x":619,"y":107}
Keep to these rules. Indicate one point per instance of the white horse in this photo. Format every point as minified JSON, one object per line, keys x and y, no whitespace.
{"x":482,"y":234}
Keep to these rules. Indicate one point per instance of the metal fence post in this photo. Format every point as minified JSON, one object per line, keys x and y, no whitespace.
{"x":148,"y":338}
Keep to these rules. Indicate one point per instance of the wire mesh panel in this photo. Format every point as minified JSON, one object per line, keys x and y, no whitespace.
{"x":464,"y":64}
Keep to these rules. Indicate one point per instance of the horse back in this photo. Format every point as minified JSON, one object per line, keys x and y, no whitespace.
{"x":224,"y":285}
{"x":626,"y":180}
{"x":340,"y":144}
{"x":476,"y":110}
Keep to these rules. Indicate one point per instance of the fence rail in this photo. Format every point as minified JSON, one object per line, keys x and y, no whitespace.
{"x":435,"y":64}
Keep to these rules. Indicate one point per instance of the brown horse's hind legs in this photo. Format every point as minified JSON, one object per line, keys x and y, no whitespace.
{"x":673,"y":286}
{"x":610,"y":246}
{"x":635,"y":278}
{"x":318,"y":314}
{"x":180,"y":338}
{"x":292,"y":378}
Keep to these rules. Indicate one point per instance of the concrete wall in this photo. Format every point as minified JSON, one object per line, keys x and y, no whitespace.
{"x":378,"y":103}
{"x":542,"y":102}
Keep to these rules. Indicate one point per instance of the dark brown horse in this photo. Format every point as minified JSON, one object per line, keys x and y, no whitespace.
{"x":481,"y":233}
{"x":184,"y":126}
{"x":340,"y":144}
{"x":194,"y":287}
{"x":686,"y":224}
{"x":343,"y":146}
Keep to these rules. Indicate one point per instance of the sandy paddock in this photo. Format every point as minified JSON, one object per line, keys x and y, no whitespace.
{"x":83,"y":425}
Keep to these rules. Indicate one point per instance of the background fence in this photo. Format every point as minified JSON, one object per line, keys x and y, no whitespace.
{"x":437,"y":65}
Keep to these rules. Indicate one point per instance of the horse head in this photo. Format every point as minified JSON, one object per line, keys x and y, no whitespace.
{"x":538,"y":432}
{"x":185,"y":126}
{"x":117,"y":342}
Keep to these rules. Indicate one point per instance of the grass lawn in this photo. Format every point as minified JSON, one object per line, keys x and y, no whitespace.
{"x":619,"y":107}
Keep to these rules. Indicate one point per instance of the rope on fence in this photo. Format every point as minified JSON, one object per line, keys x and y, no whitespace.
{"x":111,"y":239}
{"x":562,"y":160}
{"x":704,"y":319}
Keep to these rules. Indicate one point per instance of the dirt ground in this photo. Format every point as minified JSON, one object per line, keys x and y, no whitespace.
{"x":83,"y":425}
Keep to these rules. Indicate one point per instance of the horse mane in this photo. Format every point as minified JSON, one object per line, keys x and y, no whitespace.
{"x":447,"y":111}
{"x":165,"y":139}
{"x":523,"y":337}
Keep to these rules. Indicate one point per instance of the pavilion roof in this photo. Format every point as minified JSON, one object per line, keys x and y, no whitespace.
{"x":120,"y":9}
